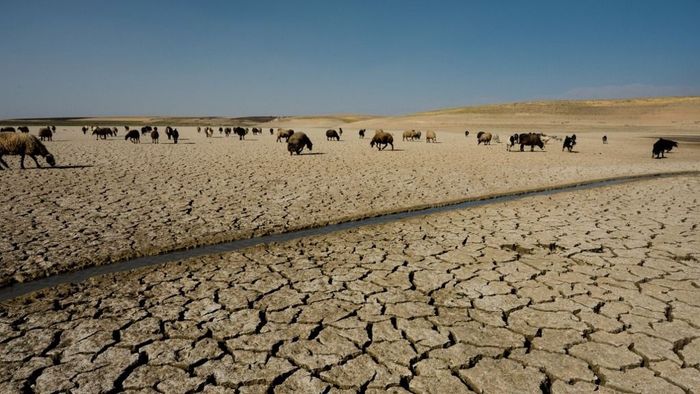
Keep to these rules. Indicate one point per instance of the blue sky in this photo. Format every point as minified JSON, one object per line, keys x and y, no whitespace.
{"x":234,"y":58}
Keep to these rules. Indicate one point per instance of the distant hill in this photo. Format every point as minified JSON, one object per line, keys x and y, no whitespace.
{"x":668,"y":112}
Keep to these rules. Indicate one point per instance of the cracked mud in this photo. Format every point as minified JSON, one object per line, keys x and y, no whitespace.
{"x":135,"y":200}
{"x":596,"y":289}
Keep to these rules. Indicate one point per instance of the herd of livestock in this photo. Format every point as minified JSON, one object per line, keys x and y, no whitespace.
{"x":24,"y":144}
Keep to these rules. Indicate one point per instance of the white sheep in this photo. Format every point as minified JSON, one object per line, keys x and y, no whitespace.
{"x":23,"y":144}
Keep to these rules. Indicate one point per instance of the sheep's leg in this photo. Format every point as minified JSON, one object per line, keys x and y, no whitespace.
{"x":2,"y":163}
{"x":35,"y":161}
{"x":21,"y":161}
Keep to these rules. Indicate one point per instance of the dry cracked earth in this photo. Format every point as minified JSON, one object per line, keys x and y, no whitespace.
{"x":596,"y":289}
{"x":114,"y":200}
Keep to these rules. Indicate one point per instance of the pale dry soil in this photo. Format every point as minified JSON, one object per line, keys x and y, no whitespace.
{"x":114,"y":200}
{"x":569,"y":293}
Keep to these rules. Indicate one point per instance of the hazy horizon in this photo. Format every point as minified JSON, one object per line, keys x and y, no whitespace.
{"x":176,"y":58}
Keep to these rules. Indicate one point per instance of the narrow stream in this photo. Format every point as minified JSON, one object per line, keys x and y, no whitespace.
{"x":18,"y":289}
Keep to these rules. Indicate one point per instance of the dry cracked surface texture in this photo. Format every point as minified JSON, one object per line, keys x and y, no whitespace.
{"x":125,"y":200}
{"x":590,"y":290}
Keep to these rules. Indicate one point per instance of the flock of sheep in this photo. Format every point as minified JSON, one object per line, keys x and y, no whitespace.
{"x":24,"y":144}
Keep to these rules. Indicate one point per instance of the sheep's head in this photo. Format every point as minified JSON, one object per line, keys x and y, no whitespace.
{"x":49,"y":159}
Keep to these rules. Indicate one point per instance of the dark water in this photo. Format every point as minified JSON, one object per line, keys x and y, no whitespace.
{"x":19,"y":289}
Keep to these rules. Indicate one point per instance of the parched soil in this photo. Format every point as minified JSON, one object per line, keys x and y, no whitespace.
{"x":594,"y":289}
{"x":112,"y":200}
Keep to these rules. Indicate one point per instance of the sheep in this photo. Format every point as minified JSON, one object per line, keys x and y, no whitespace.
{"x":7,"y":129}
{"x":513,"y":140}
{"x":23,"y":144}
{"x":430,"y":136}
{"x":382,"y":139}
{"x":145,"y":130}
{"x":241,"y":132}
{"x":408,"y":135}
{"x":227,"y":131}
{"x":661,"y":146}
{"x":256,"y":130}
{"x":208,"y":132}
{"x":531,"y":139}
{"x":102,"y":132}
{"x":45,"y":133}
{"x":569,"y":143}
{"x":168,"y":131}
{"x":297,"y":141}
{"x":332,"y":135}
{"x":133,"y":136}
{"x":362,"y":133}
{"x":466,"y":133}
{"x":272,"y":131}
{"x":284,"y":134}
{"x":175,"y":134}
{"x":199,"y":129}
{"x":605,"y":139}
{"x":484,"y":137}
{"x":155,"y":136}
{"x":85,"y":129}
{"x":23,"y":129}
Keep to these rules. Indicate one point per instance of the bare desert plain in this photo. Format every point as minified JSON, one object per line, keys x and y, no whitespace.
{"x":577,"y":291}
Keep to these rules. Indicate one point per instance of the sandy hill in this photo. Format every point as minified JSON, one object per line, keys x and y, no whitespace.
{"x":679,"y":113}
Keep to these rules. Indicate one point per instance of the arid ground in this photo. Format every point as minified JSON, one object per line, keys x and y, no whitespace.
{"x":589,"y":289}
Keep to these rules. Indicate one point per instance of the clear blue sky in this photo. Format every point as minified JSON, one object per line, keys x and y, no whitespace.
{"x":71,"y":58}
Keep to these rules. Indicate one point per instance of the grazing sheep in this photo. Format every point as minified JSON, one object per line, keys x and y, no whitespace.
{"x":45,"y":134}
{"x":256,"y":130}
{"x":531,"y":139}
{"x":430,"y":136}
{"x":513,"y":140}
{"x":23,"y":129}
{"x":227,"y":131}
{"x":146,"y":130}
{"x":133,"y":136}
{"x":175,"y":134}
{"x":7,"y":129}
{"x":272,"y":131}
{"x":569,"y":143}
{"x":208,"y":132}
{"x":85,"y":129}
{"x":240,"y":132}
{"x":23,"y":145}
{"x":102,"y":132}
{"x":362,"y":133}
{"x":199,"y":129}
{"x":331,"y":135}
{"x":605,"y":139}
{"x":661,"y":146}
{"x":297,"y":141}
{"x":168,"y":130}
{"x":155,"y":136}
{"x":221,"y":130}
{"x":483,"y":137}
{"x":284,"y":134}
{"x":382,"y":139}
{"x":408,"y":135}
{"x":466,"y":133}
